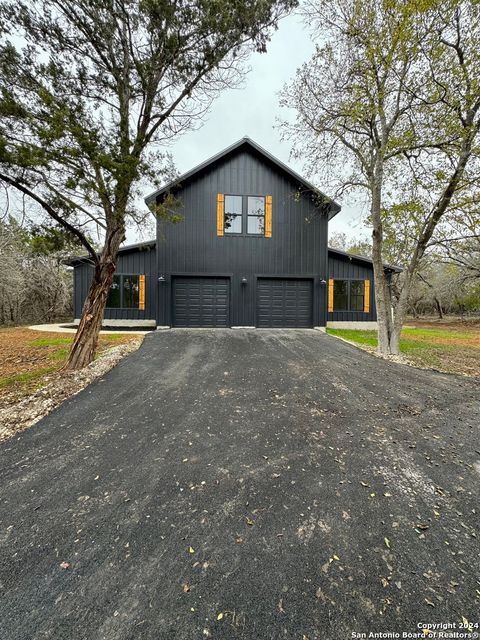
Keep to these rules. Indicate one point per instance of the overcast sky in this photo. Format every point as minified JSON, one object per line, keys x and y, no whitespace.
{"x":253,"y":109}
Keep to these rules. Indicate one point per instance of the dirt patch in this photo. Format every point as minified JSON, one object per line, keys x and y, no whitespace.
{"x":57,"y":387}
{"x":450,"y":322}
{"x":28,"y":357}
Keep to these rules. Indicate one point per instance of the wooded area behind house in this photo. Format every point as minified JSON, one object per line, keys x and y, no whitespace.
{"x":35,"y":285}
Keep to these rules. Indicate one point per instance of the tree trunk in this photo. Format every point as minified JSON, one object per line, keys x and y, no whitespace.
{"x":85,"y":343}
{"x":439,"y":307}
{"x":382,"y":292}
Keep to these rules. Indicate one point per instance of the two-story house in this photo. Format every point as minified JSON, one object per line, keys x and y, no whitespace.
{"x":251,"y":251}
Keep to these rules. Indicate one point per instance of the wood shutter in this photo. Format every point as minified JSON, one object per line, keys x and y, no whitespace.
{"x":330,"y":295}
{"x":366,"y":297}
{"x":268,"y":216}
{"x":141,"y":291}
{"x":220,"y":214}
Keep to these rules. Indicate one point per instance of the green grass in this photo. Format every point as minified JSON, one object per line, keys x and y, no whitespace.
{"x":415,"y":344}
{"x":59,"y":354}
{"x":115,"y":336}
{"x":27,"y":376}
{"x":50,"y":342}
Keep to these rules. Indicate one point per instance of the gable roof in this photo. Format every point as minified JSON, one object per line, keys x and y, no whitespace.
{"x":352,"y":256}
{"x":247,"y":142}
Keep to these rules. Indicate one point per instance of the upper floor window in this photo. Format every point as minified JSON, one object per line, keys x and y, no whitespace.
{"x":233,"y":214}
{"x":244,"y":214}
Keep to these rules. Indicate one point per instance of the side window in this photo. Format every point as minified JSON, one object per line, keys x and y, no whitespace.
{"x":114,"y":295}
{"x":127,"y":292}
{"x":349,"y":295}
{"x":233,"y":214}
{"x":256,"y":215}
{"x":340,"y":295}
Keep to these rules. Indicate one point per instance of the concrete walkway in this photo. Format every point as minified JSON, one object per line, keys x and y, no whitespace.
{"x":62,"y":328}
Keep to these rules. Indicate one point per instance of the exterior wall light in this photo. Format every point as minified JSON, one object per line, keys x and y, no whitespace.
{"x":323,"y":282}
{"x":244,"y":280}
{"x":161,"y":278}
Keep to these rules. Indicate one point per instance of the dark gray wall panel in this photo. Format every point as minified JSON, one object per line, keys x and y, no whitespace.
{"x":343,"y":268}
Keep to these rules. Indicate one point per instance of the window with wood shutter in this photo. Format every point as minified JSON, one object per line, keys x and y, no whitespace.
{"x":141,"y":292}
{"x":366,"y":301}
{"x":127,"y":291}
{"x":330,"y":294}
{"x":220,"y":213}
{"x":268,"y":216}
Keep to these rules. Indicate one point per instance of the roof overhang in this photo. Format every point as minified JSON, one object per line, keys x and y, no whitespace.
{"x":387,"y":267}
{"x":137,"y":246}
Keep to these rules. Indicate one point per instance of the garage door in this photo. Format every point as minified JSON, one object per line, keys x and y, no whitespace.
{"x":284,"y":302}
{"x":201,"y":302}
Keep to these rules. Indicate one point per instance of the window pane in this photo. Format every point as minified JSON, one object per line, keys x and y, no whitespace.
{"x":256,"y":214}
{"x":113,"y":299}
{"x":233,"y":214}
{"x":233,"y":205}
{"x":340,"y":295}
{"x":357,"y":295}
{"x":130,"y":292}
{"x":233,"y":224}
{"x":256,"y":206}
{"x":256,"y":224}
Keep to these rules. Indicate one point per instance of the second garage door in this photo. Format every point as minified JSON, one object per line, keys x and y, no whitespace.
{"x":284,"y":302}
{"x":201,"y":302}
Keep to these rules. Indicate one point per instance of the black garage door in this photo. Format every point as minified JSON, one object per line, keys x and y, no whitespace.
{"x":284,"y":302}
{"x":201,"y":302}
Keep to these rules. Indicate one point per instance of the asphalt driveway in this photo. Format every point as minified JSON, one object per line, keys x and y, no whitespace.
{"x":244,"y":484}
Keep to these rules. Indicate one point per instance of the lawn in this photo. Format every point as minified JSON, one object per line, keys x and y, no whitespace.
{"x":28,"y":357}
{"x":450,"y":346}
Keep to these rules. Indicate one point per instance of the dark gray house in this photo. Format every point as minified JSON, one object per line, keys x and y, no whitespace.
{"x":251,"y":251}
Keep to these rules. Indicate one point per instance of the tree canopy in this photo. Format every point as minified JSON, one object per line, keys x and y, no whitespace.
{"x":91,"y":95}
{"x":389,"y":106}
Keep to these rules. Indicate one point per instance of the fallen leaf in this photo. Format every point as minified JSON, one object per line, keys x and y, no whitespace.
{"x":186,"y":588}
{"x":336,"y":558}
{"x":250,"y":522}
{"x":387,"y":542}
{"x":429,"y":602}
{"x":220,"y":616}
{"x":64,"y":565}
{"x":191,"y":550}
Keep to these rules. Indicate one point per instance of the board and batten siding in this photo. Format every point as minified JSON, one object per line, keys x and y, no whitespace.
{"x":133,"y":262}
{"x":344,"y":268}
{"x":297,"y":247}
